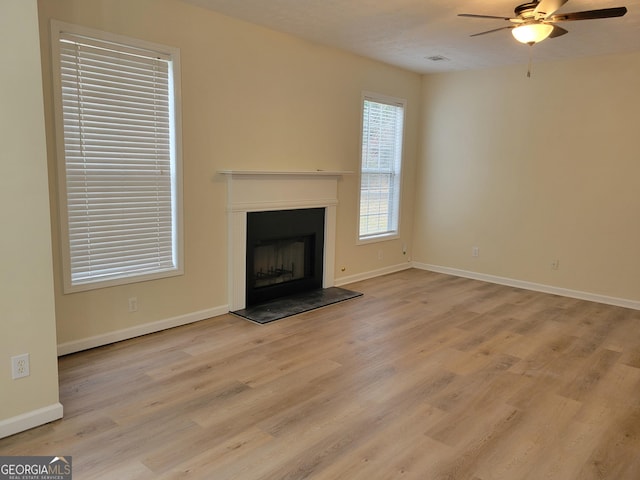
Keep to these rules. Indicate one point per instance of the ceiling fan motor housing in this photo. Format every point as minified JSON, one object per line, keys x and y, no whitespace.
{"x":525,"y":10}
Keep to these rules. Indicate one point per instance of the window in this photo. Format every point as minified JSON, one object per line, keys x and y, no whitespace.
{"x":381,"y":156}
{"x":118,"y":155}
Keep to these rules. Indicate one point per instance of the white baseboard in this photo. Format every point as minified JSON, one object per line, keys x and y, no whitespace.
{"x":138,"y":330}
{"x":537,"y":287}
{"x":375,"y":273}
{"x":35,"y":418}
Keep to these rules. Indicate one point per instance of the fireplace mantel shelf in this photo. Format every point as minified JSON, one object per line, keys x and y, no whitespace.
{"x":328,"y":173}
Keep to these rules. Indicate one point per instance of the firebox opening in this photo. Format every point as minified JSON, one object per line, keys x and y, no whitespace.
{"x":281,"y":261}
{"x":284,"y":253}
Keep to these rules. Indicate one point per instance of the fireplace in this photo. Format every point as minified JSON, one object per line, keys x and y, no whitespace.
{"x":284,"y":253}
{"x":249,"y":192}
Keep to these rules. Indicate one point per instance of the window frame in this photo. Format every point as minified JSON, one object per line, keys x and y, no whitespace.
{"x":58,"y":29}
{"x":393,"y":233}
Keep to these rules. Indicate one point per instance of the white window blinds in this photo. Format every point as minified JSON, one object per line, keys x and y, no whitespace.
{"x":382,"y":131}
{"x":119,"y":161}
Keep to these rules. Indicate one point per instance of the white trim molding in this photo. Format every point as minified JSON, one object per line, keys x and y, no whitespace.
{"x":35,"y":418}
{"x":372,"y":274}
{"x":138,"y":330}
{"x":536,"y":287}
{"x":255,"y":191}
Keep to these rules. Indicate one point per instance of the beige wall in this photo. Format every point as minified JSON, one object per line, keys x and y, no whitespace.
{"x":252,"y":99}
{"x":532,"y":170}
{"x":27,"y":322}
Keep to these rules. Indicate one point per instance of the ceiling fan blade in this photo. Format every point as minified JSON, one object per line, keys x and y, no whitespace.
{"x":482,"y":16}
{"x":589,"y":14}
{"x":546,"y":8}
{"x":557,"y":32}
{"x":491,"y":31}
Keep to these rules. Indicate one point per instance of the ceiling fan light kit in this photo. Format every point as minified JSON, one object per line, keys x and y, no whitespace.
{"x":532,"y":33}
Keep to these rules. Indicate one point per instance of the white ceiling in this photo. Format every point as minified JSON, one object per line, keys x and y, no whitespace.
{"x":406,"y":32}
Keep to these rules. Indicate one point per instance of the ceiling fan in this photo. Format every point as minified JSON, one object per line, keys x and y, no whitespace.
{"x":535,"y":21}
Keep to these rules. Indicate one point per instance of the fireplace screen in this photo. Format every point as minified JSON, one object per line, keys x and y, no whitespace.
{"x":284,"y":253}
{"x":279,"y":261}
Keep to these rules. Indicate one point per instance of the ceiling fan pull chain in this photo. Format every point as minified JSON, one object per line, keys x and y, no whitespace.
{"x":530,"y":60}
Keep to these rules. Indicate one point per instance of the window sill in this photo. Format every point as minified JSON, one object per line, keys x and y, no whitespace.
{"x":377,"y":238}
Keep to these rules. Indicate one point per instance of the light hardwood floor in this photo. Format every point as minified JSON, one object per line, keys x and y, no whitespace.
{"x":426,"y":376}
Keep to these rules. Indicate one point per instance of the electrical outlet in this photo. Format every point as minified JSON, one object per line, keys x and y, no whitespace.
{"x":133,"y":304}
{"x":20,"y":366}
{"x":555,"y":264}
{"x":380,"y":255}
{"x":475,"y":251}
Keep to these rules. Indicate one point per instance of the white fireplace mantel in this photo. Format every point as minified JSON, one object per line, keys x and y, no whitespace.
{"x":255,"y":191}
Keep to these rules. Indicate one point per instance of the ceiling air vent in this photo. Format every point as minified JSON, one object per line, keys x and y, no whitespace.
{"x":438,"y":58}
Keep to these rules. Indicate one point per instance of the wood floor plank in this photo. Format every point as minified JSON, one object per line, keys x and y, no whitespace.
{"x":426,"y":376}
